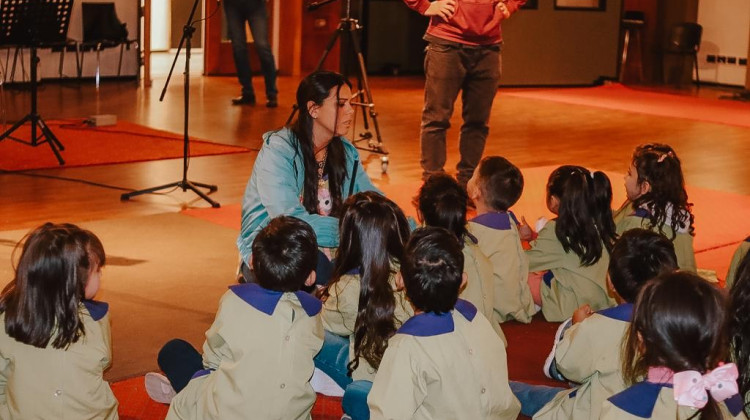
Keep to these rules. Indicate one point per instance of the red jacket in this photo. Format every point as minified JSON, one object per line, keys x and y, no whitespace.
{"x":476,"y":22}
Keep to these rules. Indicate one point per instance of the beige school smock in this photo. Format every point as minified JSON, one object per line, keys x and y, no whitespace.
{"x":49,"y":383}
{"x":589,"y":354}
{"x":258,"y":357}
{"x":499,"y":240}
{"x":627,"y":218}
{"x":339,"y":315}
{"x":646,"y":400}
{"x":479,"y":289}
{"x":447,"y":366}
{"x":570,"y":284}
{"x":739,"y":254}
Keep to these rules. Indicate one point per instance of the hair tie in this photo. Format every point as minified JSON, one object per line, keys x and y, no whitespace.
{"x":664,"y":156}
{"x":690,"y":386}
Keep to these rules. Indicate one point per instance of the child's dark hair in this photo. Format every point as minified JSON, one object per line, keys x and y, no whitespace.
{"x":739,"y":323}
{"x":638,"y":256}
{"x":316,"y":88}
{"x":659,"y":165}
{"x":500,"y":182}
{"x":584,"y":219}
{"x":679,"y":322}
{"x":433,"y":269}
{"x":42,"y":302}
{"x":373,"y":231}
{"x":442,"y":203}
{"x":284,"y":254}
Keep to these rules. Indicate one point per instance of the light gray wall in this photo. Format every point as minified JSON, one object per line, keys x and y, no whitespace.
{"x":561,"y":47}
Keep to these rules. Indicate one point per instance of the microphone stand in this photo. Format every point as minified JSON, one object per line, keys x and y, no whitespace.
{"x":184,"y":184}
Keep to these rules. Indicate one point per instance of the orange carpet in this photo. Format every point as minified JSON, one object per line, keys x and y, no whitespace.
{"x":135,"y":403}
{"x":84,"y":146}
{"x":619,"y":97}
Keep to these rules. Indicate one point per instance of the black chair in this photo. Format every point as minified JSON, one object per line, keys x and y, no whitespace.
{"x":102,"y":29}
{"x":685,"y":40}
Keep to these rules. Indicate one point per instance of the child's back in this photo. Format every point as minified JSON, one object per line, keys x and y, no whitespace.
{"x":258,"y":358}
{"x":499,"y":240}
{"x":589,"y":355}
{"x":568,"y":284}
{"x":627,"y":218}
{"x":340,"y":311}
{"x":50,"y":383}
{"x":480,"y":290}
{"x":444,"y":366}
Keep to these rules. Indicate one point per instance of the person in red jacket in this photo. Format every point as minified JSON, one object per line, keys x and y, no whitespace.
{"x":463,"y":54}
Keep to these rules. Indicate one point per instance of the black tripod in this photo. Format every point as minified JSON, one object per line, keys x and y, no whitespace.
{"x":184,"y":184}
{"x":363,"y":96}
{"x":35,"y":23}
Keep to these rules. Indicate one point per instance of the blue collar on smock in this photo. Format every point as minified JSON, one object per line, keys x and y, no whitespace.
{"x":747,"y":239}
{"x":641,"y":212}
{"x":96,"y":309}
{"x":496,"y":220}
{"x":429,"y":324}
{"x":266,"y":300}
{"x":622,"y":312}
{"x":640,"y":399}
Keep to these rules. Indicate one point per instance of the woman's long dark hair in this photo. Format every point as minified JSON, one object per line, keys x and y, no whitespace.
{"x":584,"y":218}
{"x":659,"y":165}
{"x":739,"y":323}
{"x":373,"y":233}
{"x":42,"y":302}
{"x":316,"y":87}
{"x":679,"y":322}
{"x":442,"y":203}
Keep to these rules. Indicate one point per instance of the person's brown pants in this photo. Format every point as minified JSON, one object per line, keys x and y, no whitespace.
{"x":475,"y":71}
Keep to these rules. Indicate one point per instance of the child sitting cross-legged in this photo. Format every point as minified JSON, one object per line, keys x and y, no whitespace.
{"x":258,"y":355}
{"x":444,"y":362}
{"x":675,"y":353}
{"x":589,"y":349}
{"x":495,"y":186}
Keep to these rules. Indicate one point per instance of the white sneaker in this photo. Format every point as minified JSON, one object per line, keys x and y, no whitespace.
{"x":550,"y":366}
{"x":323,"y":384}
{"x":159,"y":388}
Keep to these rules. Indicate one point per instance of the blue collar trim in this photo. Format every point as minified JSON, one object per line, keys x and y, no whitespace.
{"x":96,"y":309}
{"x":266,"y":300}
{"x":622,"y":312}
{"x":547,"y":277}
{"x":641,"y":212}
{"x":430,"y":324}
{"x":494,"y":220}
{"x":747,"y":239}
{"x":640,"y":399}
{"x":734,"y":404}
{"x":354,"y":271}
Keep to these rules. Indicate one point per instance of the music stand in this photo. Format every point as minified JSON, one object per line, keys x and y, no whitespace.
{"x":184,"y":183}
{"x":34,"y":24}
{"x":351,"y":26}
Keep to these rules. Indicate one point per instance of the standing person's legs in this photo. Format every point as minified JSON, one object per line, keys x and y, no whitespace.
{"x":480,"y":86}
{"x":444,"y":74}
{"x":236,"y":12}
{"x":258,"y":19}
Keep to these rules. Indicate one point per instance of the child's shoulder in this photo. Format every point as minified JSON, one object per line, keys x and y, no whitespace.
{"x":622,"y":312}
{"x":265,"y":300}
{"x":640,"y":399}
{"x":432,"y":324}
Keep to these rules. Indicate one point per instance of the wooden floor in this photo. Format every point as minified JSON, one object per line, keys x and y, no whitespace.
{"x":528,"y":132}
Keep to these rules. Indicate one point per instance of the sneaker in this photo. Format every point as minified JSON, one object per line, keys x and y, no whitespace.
{"x":323,"y":384}
{"x":159,"y":388}
{"x":244,"y":100}
{"x":550,"y":365}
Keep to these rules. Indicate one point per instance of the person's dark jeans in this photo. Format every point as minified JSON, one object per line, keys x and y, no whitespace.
{"x":255,"y":14}
{"x":333,"y":358}
{"x":450,"y":69}
{"x":354,"y":403}
{"x":179,"y":361}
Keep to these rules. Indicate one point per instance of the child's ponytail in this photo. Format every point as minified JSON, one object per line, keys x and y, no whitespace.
{"x":601,"y":204}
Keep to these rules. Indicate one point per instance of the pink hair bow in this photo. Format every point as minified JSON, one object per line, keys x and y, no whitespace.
{"x":690,"y":386}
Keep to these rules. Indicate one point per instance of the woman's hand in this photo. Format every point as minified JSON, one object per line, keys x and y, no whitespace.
{"x":444,"y":9}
